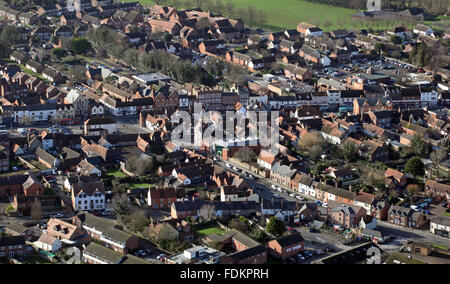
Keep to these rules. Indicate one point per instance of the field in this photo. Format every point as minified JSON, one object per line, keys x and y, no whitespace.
{"x":286,"y":14}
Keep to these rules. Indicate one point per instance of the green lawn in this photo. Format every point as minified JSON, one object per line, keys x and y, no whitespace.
{"x":447,"y":214}
{"x":34,"y":259}
{"x":205,"y":231}
{"x":140,"y":185}
{"x":440,"y":246}
{"x":287,"y":14}
{"x":116,"y":173}
{"x":403,"y":258}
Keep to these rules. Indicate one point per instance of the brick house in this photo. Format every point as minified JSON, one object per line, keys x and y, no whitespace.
{"x":438,"y":191}
{"x":13,"y":246}
{"x":184,"y":229}
{"x":405,"y":217}
{"x":345,"y":215}
{"x":380,"y":210}
{"x":398,"y":177}
{"x":246,"y":250}
{"x":297,"y":73}
{"x":161,"y":197}
{"x":23,"y":184}
{"x":282,"y":174}
{"x":286,"y":247}
{"x":15,"y":229}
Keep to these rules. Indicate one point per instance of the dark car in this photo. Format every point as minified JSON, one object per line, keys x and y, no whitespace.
{"x":313,"y":230}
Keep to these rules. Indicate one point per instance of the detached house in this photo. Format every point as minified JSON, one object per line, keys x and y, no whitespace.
{"x":286,"y":247}
{"x":344,"y":215}
{"x":398,"y":177}
{"x":88,"y":196}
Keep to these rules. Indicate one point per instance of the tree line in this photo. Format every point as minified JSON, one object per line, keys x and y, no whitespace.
{"x":106,"y":42}
{"x":249,"y":15}
{"x":435,"y":7}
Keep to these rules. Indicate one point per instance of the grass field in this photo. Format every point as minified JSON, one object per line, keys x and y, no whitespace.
{"x":205,"y":231}
{"x":287,"y":14}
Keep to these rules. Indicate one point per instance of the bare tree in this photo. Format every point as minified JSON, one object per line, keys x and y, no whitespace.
{"x":163,"y":232}
{"x":36,"y":210}
{"x":25,"y":120}
{"x":207,"y":211}
{"x":245,"y":154}
{"x":437,"y":157}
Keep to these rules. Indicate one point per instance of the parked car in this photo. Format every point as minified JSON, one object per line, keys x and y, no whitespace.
{"x":415,"y":208}
{"x":276,"y":195}
{"x":300,"y":257}
{"x":161,"y":257}
{"x":325,"y":205}
{"x":308,"y":253}
{"x":141,"y":253}
{"x":313,"y":230}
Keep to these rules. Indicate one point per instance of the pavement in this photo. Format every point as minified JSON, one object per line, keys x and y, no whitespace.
{"x":412,"y":234}
{"x":402,"y":234}
{"x":263,"y":186}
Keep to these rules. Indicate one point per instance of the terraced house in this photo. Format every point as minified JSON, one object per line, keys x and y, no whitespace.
{"x":107,"y":232}
{"x":405,"y":217}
